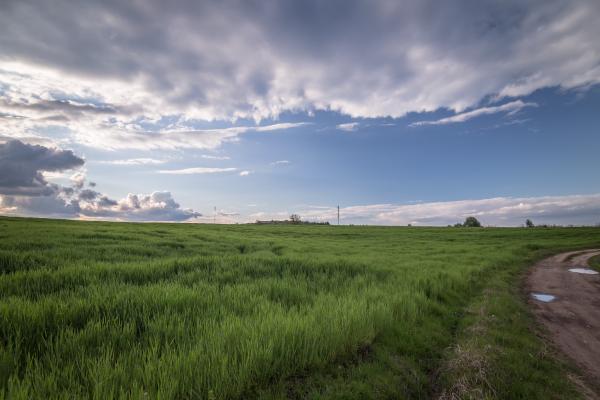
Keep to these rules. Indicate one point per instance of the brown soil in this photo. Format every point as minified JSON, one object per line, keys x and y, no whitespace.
{"x":573,"y":318}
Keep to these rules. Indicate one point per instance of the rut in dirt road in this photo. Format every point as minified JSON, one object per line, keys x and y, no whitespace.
{"x":572,"y":315}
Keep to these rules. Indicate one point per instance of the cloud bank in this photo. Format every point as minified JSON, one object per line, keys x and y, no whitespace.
{"x":138,"y":75}
{"x":499,"y":211}
{"x":24,"y":190}
{"x":21,"y":167}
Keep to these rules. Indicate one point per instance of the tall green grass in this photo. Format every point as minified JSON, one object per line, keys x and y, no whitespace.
{"x":115,"y":310}
{"x":594,"y":263}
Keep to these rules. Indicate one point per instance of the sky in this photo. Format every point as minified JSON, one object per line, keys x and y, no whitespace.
{"x":400,"y":112}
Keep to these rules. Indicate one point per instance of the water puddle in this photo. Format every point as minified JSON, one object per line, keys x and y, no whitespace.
{"x":584,"y":271}
{"x":546,"y":298}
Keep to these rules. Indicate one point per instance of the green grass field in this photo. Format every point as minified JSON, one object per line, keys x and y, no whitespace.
{"x":120,"y":310}
{"x":595,"y":263}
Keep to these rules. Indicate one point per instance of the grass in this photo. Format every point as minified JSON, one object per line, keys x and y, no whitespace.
{"x":594,"y":263}
{"x":119,"y":310}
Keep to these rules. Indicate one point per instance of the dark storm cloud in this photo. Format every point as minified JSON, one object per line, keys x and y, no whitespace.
{"x":21,"y":167}
{"x":106,"y":202}
{"x":260,"y":58}
{"x":88,"y":194}
{"x":24,"y":191}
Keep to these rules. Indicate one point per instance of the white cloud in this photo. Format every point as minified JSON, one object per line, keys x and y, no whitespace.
{"x":55,"y":175}
{"x":499,"y":211}
{"x":196,"y":170}
{"x":348,"y":127}
{"x":157,"y":206}
{"x":280,"y":126}
{"x":114,"y":138}
{"x":281,"y":162}
{"x":510,"y":108}
{"x":245,"y":173}
{"x":135,"y":161}
{"x":78,"y":179}
{"x":209,"y":157}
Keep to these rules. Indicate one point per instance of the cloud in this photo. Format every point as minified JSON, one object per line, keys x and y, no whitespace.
{"x":102,"y":114}
{"x":78,"y":179}
{"x":510,"y":108}
{"x":55,"y":175}
{"x":135,"y":161}
{"x":500,"y":211}
{"x":53,"y":109}
{"x":24,"y":190}
{"x":245,"y":173}
{"x":209,"y":157}
{"x":348,"y":127}
{"x":131,"y":137}
{"x":88,"y":194}
{"x":157,"y":206}
{"x":196,"y":170}
{"x":220,"y":217}
{"x":228,"y":214}
{"x":281,"y":162}
{"x":124,"y":66}
{"x":22,"y":167}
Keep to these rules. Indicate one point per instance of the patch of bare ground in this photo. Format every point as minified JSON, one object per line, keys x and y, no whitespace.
{"x":571,"y":321}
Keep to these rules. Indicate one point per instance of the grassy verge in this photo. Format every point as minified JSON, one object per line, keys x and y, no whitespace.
{"x":594,"y":263}
{"x":500,"y":353}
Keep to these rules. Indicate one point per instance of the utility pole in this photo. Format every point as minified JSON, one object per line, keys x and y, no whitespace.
{"x":338,"y":214}
{"x":215,"y":216}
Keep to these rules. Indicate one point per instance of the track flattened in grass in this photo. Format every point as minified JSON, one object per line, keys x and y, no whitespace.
{"x":116,"y":310}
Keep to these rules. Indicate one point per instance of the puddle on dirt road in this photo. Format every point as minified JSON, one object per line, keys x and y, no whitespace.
{"x":584,"y":271}
{"x":546,"y":298}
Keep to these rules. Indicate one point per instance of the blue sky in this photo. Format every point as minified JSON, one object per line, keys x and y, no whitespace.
{"x":488,"y":110}
{"x":548,"y":149}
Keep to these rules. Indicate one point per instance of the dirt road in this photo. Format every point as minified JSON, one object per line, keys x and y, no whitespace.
{"x":573,"y":317}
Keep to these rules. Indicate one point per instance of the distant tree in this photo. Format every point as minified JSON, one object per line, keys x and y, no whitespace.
{"x":458,"y":225}
{"x":529,"y":223}
{"x":472,"y":222}
{"x":295,"y":218}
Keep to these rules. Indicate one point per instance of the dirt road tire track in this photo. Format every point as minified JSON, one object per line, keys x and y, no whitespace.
{"x":572,"y":319}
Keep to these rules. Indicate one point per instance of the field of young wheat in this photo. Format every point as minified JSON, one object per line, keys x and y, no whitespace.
{"x":120,"y":310}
